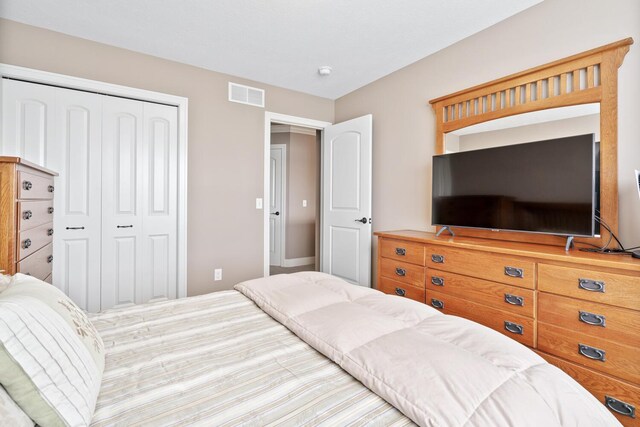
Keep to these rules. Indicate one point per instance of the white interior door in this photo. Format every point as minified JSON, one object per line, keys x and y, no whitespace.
{"x":122,"y":202}
{"x":75,"y":153}
{"x":346,"y":200}
{"x":276,"y":203}
{"x":159,"y":202}
{"x":27,"y":120}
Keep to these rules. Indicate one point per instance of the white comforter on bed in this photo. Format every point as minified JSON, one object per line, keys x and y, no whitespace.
{"x":439,"y":370}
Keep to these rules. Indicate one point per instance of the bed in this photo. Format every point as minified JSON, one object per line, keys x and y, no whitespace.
{"x":293,"y":350}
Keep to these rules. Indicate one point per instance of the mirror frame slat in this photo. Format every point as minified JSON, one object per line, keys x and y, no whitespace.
{"x":562,"y":78}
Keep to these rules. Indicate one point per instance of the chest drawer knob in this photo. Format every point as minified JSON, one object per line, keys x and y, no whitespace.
{"x":50,"y":259}
{"x":401,"y":251}
{"x":514,"y":272}
{"x":26,"y":243}
{"x":27,"y":185}
{"x":514,"y":328}
{"x":592,"y":319}
{"x":50,"y":188}
{"x":50,"y":210}
{"x":591,"y":352}
{"x":27,"y":215}
{"x":50,"y":232}
{"x":436,"y":303}
{"x":438,"y":259}
{"x":620,"y":407}
{"x":437,"y":281}
{"x":400,"y":292}
{"x":591,"y":285}
{"x":513,"y":300}
{"x":401,"y":271}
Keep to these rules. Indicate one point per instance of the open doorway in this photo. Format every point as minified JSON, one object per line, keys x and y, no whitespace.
{"x":294,"y":202}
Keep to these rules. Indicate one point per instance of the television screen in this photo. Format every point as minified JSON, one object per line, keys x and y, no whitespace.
{"x":544,"y":186}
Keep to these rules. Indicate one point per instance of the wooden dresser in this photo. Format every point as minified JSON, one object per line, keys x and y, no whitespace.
{"x":580,"y":311}
{"x":26,"y":218}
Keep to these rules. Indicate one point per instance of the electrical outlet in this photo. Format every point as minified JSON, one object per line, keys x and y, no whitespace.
{"x":304,"y":203}
{"x":217,"y":274}
{"x":258,"y":203}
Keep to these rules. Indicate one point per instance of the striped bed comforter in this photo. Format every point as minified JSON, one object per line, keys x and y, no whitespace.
{"x":219,"y":360}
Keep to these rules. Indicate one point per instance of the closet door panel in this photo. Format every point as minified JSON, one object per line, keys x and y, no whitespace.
{"x":27,"y":120}
{"x":122,"y":178}
{"x":160,"y":154}
{"x":75,"y":153}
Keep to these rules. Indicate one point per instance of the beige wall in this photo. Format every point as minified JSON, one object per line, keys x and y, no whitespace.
{"x":302,"y":184}
{"x":529,"y":133}
{"x":226,"y":141}
{"x":403,"y":121}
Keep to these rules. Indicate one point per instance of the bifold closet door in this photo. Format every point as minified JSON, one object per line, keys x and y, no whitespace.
{"x":77,"y":159}
{"x":139,"y":202}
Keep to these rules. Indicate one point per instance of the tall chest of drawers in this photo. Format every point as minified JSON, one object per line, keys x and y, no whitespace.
{"x":579,"y":311}
{"x":26,"y":218}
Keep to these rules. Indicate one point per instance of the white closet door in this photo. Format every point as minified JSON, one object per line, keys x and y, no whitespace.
{"x":159,"y":202}
{"x":122,"y":202}
{"x":27,"y":120}
{"x":75,"y":154}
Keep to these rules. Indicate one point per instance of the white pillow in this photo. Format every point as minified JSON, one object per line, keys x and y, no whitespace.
{"x":44,"y":366}
{"x":5,"y":281}
{"x":10,"y":413}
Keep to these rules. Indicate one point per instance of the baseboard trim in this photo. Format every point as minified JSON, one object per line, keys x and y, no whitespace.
{"x":298,"y":262}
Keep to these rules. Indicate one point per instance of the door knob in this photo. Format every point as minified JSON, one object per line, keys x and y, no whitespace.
{"x":275,"y":213}
{"x":362,"y":220}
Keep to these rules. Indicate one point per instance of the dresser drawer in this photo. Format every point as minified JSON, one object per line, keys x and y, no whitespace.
{"x":404,"y":251}
{"x":393,"y":287}
{"x":38,"y":264}
{"x":607,"y":288}
{"x":613,"y":393}
{"x":33,"y":214}
{"x":402,"y":272}
{"x":33,"y":239}
{"x":32,"y":186}
{"x":520,"y":328}
{"x":598,"y":320}
{"x":497,"y":268}
{"x":498,"y":295}
{"x":618,"y":360}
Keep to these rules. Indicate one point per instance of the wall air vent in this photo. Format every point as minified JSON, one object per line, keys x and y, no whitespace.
{"x":246,"y":95}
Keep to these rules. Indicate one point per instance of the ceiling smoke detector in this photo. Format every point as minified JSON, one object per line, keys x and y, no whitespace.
{"x":324,"y":70}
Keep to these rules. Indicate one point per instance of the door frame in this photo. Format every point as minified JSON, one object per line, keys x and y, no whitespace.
{"x":283,"y":196}
{"x":269,"y":118}
{"x":182,"y":103}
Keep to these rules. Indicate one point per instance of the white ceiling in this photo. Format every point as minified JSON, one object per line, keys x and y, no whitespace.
{"x":279,"y":42}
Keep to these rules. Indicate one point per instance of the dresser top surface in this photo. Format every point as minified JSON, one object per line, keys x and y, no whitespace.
{"x":542,"y":252}
{"x":21,"y":161}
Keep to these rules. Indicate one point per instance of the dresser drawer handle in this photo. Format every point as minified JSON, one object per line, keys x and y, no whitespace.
{"x":591,"y":352}
{"x":591,"y":285}
{"x":620,"y":407}
{"x":26,"y":244}
{"x":437,"y":281}
{"x":50,"y":210}
{"x":401,"y":271}
{"x":436,"y":303}
{"x":50,"y":259}
{"x":514,"y":328}
{"x":401,"y":251}
{"x":438,"y":259}
{"x":514,"y":300}
{"x":27,"y":185}
{"x":50,"y":232}
{"x":514,"y":272}
{"x":592,"y":319}
{"x":50,"y":188}
{"x":400,"y":292}
{"x":27,"y":215}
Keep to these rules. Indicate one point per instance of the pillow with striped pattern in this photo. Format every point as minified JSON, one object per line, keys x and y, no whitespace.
{"x":44,"y":366}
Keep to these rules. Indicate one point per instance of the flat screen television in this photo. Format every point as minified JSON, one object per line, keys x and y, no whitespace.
{"x":542,"y":187}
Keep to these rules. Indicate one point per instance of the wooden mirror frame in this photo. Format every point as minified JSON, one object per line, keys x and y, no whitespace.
{"x":585,"y":78}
